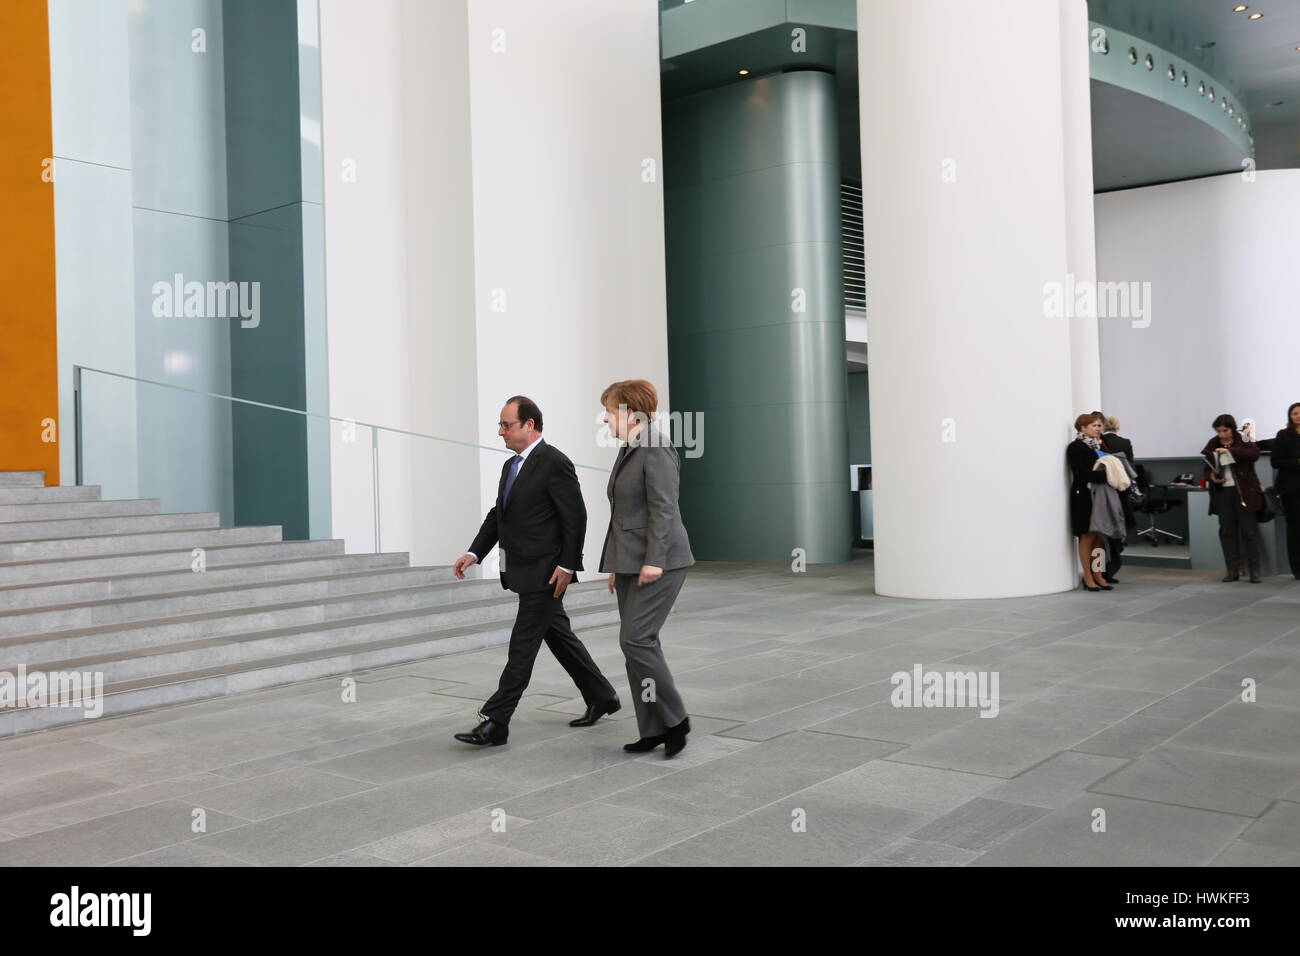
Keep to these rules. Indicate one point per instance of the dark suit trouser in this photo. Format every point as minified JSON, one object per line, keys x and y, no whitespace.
{"x":642,"y":612}
{"x":1291,"y":508}
{"x":541,"y":618}
{"x":1238,"y":531}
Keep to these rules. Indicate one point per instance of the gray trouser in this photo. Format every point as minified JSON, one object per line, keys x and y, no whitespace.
{"x":642,"y":612}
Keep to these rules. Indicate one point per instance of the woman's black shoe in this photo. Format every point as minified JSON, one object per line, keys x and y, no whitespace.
{"x":1255,"y":578}
{"x":1087,"y":586}
{"x":677,"y":738}
{"x":644,"y":745}
{"x":1231,"y":576}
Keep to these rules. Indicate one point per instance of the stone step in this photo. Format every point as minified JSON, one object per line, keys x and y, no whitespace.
{"x":22,"y":479}
{"x":50,"y":595}
{"x":183,"y":642}
{"x":40,"y":510}
{"x":87,"y":527}
{"x":12,"y":552}
{"x":168,"y":559}
{"x":88,"y":615}
{"x":200,"y":684}
{"x":11,"y":495}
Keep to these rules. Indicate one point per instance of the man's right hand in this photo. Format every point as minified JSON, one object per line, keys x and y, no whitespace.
{"x":611,"y":584}
{"x":463,"y":564}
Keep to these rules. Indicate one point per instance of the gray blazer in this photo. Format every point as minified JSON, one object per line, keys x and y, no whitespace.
{"x":645,"y":522}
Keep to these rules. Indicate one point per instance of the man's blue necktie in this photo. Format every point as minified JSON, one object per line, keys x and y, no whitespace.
{"x":510,"y":478}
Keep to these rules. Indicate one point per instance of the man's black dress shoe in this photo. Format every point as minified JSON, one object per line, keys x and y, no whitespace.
{"x":1231,"y":576}
{"x":488,"y":733}
{"x":595,"y":712}
{"x":677,"y":738}
{"x":1255,"y":578}
{"x":644,"y":745}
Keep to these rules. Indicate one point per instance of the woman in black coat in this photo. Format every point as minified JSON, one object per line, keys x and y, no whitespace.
{"x":1286,"y":459}
{"x":1081,"y":454}
{"x":1235,"y":496}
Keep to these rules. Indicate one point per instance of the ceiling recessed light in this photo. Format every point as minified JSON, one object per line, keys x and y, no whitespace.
{"x":744,"y":72}
{"x":1239,"y":7}
{"x":1254,"y":16}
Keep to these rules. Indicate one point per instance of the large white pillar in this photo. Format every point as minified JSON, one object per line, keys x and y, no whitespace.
{"x":493,"y":198}
{"x":1080,"y":237}
{"x":568,"y":220}
{"x":964,"y":210}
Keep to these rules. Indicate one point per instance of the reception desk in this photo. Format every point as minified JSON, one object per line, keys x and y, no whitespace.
{"x":1203,"y":537}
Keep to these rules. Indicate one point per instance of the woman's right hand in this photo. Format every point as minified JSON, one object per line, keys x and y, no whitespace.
{"x":611,"y":584}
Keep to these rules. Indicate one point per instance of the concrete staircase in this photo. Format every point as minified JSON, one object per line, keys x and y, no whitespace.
{"x":107,"y":587}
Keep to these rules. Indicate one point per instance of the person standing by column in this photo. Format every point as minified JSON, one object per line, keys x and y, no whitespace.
{"x":1286,"y":459}
{"x":1116,"y":444}
{"x":1081,"y":454}
{"x":646,"y":555}
{"x":1235,"y":496}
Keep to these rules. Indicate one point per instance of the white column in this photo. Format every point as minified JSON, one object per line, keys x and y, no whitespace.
{"x":964,"y":208}
{"x":399,"y":271}
{"x":568,"y":220}
{"x":1080,"y":237}
{"x":493,"y":225}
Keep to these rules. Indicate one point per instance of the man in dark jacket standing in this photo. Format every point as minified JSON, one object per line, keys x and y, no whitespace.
{"x":1286,"y":459}
{"x":540,"y":521}
{"x":1116,"y":444}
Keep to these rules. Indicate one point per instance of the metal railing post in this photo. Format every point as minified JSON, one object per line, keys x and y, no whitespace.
{"x":374,"y":477}
{"x":76,"y":421}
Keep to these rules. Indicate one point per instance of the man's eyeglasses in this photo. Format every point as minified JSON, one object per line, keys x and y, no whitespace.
{"x":506,"y":425}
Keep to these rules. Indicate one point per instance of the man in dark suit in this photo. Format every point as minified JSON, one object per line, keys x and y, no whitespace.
{"x":540,"y":521}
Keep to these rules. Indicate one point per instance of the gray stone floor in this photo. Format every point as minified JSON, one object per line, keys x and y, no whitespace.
{"x":1126,"y":702}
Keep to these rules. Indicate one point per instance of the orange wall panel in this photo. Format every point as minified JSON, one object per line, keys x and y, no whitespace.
{"x":29,"y":392}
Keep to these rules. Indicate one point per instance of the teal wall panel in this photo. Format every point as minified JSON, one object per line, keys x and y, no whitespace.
{"x":751,"y":175}
{"x":276,"y":240}
{"x":859,"y":413}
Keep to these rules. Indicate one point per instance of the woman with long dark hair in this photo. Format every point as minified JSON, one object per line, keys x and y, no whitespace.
{"x":1235,"y":496}
{"x":1286,"y":459}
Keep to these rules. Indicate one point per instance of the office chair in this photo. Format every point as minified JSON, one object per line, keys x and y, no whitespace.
{"x":1155,"y":500}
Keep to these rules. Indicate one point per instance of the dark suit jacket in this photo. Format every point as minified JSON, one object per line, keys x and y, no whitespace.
{"x":1286,"y":459}
{"x":543,"y":524}
{"x":645,"y":519}
{"x":1118,"y":443}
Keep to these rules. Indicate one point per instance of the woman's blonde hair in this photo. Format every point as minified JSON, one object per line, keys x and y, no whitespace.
{"x":1112,"y":424}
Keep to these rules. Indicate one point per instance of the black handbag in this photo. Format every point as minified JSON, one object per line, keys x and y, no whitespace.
{"x":1272,"y":506}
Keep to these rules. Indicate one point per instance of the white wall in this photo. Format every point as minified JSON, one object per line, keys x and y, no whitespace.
{"x":552,"y":209}
{"x":563,"y":119}
{"x":1222,"y":256}
{"x":399,"y":267}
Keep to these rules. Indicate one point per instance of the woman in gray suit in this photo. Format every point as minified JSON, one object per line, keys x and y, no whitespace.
{"x":646,"y":555}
